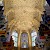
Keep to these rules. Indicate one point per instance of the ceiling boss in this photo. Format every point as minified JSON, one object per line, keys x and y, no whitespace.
{"x":23,"y":14}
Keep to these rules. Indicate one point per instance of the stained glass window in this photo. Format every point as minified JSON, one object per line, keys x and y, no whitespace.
{"x":33,"y":35}
{"x":33,"y":44}
{"x":15,"y":43}
{"x":24,"y":40}
{"x":15,"y":38}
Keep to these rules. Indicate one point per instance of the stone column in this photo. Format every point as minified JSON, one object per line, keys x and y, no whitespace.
{"x":29,"y":38}
{"x":19,"y":42}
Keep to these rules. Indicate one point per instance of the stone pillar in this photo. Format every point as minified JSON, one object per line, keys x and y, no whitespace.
{"x":19,"y":42}
{"x":29,"y":38}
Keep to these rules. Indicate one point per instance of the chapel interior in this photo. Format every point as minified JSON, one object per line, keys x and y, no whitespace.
{"x":24,"y":25}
